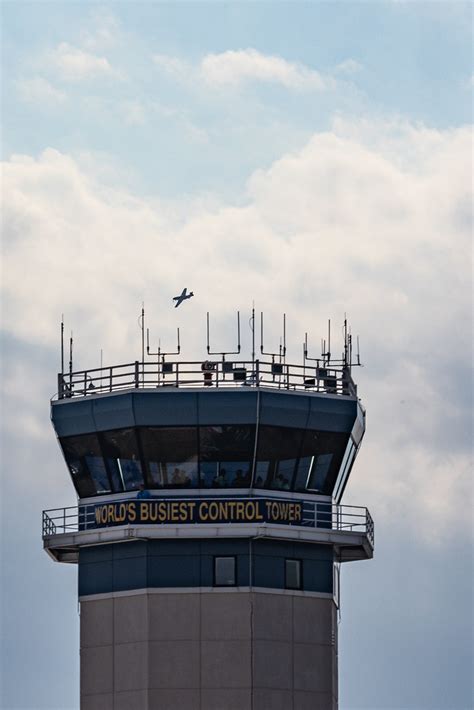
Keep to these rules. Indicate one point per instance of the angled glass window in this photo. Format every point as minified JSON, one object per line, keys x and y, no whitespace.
{"x":226,"y":454}
{"x":261,"y":473}
{"x":84,"y":459}
{"x":171,"y":456}
{"x":320,"y":459}
{"x":319,"y":471}
{"x":283,"y":477}
{"x":280,"y":447}
{"x":345,"y":469}
{"x":121,"y":452}
{"x":224,"y":572}
{"x":293,"y":576}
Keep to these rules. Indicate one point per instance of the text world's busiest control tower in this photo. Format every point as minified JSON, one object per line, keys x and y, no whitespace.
{"x":209,"y":531}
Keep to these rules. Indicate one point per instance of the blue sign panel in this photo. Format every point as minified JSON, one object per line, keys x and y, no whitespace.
{"x":155,"y":511}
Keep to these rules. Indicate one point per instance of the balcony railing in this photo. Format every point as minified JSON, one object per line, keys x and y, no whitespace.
{"x":316,"y":515}
{"x":208,"y":373}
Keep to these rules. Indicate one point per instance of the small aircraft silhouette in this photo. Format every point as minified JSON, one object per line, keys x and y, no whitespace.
{"x":182,"y":297}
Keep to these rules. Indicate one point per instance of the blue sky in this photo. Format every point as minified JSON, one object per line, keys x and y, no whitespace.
{"x":313,"y":156}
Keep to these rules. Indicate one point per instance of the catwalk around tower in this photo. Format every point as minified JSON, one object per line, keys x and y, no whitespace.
{"x":209,"y":530}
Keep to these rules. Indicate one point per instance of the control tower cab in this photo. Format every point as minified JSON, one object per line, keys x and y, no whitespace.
{"x":209,"y":529}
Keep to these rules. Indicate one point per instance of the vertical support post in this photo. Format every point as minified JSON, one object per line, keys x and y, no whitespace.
{"x":137,"y":375}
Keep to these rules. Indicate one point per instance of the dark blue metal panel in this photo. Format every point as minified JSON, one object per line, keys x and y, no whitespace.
{"x":165,"y":408}
{"x":317,"y":576}
{"x":95,"y":578}
{"x":114,"y":412}
{"x":130,"y":573}
{"x":162,"y":408}
{"x":224,"y":547}
{"x":162,"y":548}
{"x":284,"y":409}
{"x":188,"y":563}
{"x":174,"y":571}
{"x":73,"y":417}
{"x":236,"y":407}
{"x":207,"y":570}
{"x":99,"y":553}
{"x":268,"y":571}
{"x":134,"y":548}
{"x":332,"y":414}
{"x":243,"y":570}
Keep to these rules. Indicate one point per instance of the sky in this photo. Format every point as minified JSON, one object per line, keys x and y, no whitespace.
{"x":313,"y":157}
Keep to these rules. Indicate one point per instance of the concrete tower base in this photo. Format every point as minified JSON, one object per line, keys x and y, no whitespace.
{"x":209,"y":649}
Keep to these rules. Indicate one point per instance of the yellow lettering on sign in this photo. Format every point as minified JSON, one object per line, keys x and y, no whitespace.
{"x":213,"y":510}
{"x":240,"y":510}
{"x":191,"y":506}
{"x":143,"y":512}
{"x":203,"y":513}
{"x":184,"y":512}
{"x":223,"y":510}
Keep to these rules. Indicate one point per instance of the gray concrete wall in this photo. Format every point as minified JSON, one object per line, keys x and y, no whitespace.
{"x":219,"y":650}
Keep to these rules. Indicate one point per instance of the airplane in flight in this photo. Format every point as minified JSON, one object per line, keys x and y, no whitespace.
{"x":182,"y":297}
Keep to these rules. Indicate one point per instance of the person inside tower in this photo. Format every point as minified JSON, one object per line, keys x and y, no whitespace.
{"x":179,"y":478}
{"x":221,"y":480}
{"x":143,"y":492}
{"x":241,"y":481}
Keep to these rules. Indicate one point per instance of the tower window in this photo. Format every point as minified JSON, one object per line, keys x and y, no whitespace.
{"x":224,"y":572}
{"x":293,"y":576}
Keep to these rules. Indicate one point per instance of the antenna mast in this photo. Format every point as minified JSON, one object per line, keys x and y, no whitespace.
{"x":230,"y":352}
{"x":62,"y":343}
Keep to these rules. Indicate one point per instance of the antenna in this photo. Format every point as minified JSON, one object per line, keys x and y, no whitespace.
{"x":141,"y":325}
{"x":252,"y":328}
{"x":230,"y":352}
{"x":346,"y":343}
{"x":159,"y":352}
{"x":326,"y":353}
{"x":305,"y":351}
{"x":62,"y":343}
{"x":70,"y":359}
{"x":282,"y":351}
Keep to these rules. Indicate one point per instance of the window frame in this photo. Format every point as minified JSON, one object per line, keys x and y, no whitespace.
{"x":300,"y":573}
{"x":224,"y":557}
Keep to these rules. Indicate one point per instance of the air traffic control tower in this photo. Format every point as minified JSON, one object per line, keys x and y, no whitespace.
{"x":209,"y":530}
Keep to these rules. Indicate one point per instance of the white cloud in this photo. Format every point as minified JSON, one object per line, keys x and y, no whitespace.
{"x":369,"y":218}
{"x":173,"y":65}
{"x":134,"y":112}
{"x":348,"y":66}
{"x":74,"y":64}
{"x":39,"y":90}
{"x":244,"y":65}
{"x":104,"y":31}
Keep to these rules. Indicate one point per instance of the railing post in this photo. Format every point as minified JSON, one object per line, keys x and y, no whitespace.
{"x":110,"y":379}
{"x":137,"y":374}
{"x":60,"y":386}
{"x":257,"y":372}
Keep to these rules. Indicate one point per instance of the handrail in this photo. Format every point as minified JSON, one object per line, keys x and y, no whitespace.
{"x":208,"y":373}
{"x":316,"y":514}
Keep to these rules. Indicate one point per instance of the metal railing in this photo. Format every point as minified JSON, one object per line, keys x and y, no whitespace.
{"x":316,"y":514}
{"x":208,"y":373}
